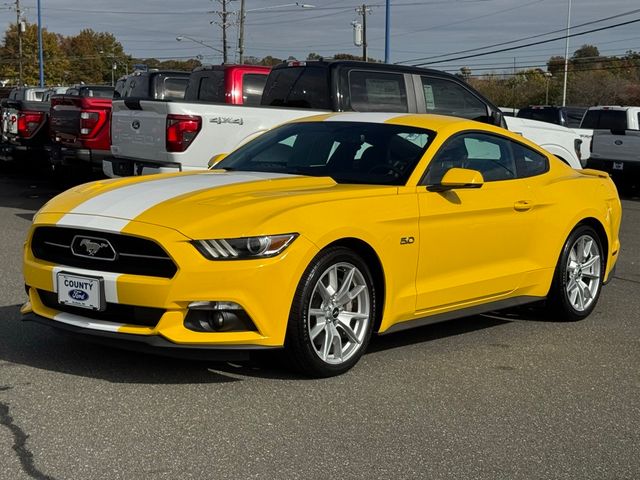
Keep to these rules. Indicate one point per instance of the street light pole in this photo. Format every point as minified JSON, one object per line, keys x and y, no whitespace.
{"x":387,"y":32}
{"x":548,"y":76}
{"x":40,"y":56}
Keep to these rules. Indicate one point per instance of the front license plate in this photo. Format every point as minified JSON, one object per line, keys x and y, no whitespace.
{"x":618,"y":165}
{"x":81,"y":291}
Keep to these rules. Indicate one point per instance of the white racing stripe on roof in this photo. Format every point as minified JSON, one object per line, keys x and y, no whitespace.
{"x":369,"y":117}
{"x":83,"y":322}
{"x":125,"y":203}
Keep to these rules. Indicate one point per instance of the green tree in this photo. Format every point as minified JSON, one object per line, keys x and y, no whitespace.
{"x":56,"y":65}
{"x":270,"y":61}
{"x":92,"y":56}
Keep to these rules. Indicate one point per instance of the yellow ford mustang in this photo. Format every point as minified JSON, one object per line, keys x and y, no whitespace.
{"x":321,"y":232}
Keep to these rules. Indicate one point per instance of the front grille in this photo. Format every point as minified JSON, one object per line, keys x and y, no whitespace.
{"x":114,"y":312}
{"x":133,"y":255}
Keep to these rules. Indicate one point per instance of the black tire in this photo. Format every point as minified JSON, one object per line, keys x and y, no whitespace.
{"x":299,"y":345}
{"x":559,"y":302}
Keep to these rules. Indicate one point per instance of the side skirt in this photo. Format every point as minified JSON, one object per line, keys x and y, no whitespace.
{"x":464,"y":312}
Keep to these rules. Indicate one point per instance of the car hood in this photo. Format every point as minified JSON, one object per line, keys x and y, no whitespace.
{"x":197,"y":204}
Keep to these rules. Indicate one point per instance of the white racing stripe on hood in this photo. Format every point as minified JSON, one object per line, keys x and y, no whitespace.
{"x":125,"y":203}
{"x":83,"y":322}
{"x":369,"y":117}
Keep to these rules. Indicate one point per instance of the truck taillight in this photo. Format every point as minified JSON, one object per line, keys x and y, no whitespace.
{"x":577,"y":146}
{"x":91,"y":121}
{"x":28,"y":123}
{"x":181,"y":130}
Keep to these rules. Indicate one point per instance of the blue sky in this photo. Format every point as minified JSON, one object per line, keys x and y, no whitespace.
{"x":148,"y":28}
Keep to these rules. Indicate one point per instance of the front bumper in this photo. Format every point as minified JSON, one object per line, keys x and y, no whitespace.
{"x":264,"y":288}
{"x":154,"y":344}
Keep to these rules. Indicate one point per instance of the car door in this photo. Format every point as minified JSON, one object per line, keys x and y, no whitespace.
{"x":473,"y":241}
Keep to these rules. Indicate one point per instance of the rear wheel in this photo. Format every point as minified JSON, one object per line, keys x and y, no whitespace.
{"x":332,"y":314}
{"x":578,"y":277}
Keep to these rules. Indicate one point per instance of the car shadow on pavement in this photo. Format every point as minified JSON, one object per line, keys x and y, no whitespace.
{"x":37,"y":346}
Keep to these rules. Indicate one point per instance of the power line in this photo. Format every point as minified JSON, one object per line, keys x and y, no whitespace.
{"x":631,"y":12}
{"x":531,"y":44}
{"x":457,"y":22}
{"x":511,"y":74}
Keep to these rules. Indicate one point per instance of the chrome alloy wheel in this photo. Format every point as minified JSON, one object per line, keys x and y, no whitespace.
{"x":339,"y":313}
{"x":583,"y":271}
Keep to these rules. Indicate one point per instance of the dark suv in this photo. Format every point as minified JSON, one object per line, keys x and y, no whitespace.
{"x":565,"y":116}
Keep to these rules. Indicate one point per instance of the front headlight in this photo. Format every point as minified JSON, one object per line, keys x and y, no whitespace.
{"x":246,"y":247}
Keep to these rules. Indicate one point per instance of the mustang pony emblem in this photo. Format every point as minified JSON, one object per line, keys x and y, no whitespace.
{"x":92,"y":247}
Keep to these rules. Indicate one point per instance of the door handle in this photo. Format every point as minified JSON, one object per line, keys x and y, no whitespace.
{"x":523,"y":205}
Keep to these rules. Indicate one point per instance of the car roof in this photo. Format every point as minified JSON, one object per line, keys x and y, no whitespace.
{"x":611,"y":107}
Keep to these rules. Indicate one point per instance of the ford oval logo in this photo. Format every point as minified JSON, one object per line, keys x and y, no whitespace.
{"x":79,"y":295}
{"x":618,"y":142}
{"x":135,"y":124}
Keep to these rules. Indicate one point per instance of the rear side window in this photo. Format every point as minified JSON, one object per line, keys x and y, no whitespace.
{"x":97,"y":92}
{"x":574,"y":117}
{"x":211,"y":87}
{"x":496,"y":157}
{"x":252,"y":87}
{"x":170,"y":87}
{"x":528,"y":162}
{"x":298,"y":87}
{"x":549,"y":115}
{"x":445,"y":97}
{"x":605,"y":120}
{"x":377,"y":92}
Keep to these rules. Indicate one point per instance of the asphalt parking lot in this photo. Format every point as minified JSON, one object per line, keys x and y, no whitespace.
{"x":505,"y":396}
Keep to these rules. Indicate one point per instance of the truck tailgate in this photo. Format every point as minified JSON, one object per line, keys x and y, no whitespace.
{"x":65,"y":121}
{"x":139,"y":131}
{"x":622,"y":148}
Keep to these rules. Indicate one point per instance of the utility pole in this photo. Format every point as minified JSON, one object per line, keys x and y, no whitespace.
{"x":241,"y":34}
{"x":19,"y":29}
{"x":223,"y":14}
{"x":363,"y":10}
{"x":566,"y":56}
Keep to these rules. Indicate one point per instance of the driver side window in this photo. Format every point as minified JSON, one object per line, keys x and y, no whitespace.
{"x":490,"y":155}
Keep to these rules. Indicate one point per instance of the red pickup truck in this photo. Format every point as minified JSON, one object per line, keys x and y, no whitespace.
{"x":79,"y":126}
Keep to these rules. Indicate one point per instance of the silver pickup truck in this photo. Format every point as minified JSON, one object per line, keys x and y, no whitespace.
{"x":615,"y":147}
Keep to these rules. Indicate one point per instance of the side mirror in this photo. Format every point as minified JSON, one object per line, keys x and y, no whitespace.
{"x":457,"y":178}
{"x":498,"y":118}
{"x":216,"y":159}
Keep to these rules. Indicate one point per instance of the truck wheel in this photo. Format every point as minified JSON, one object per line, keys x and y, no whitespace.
{"x":332,"y":314}
{"x":578,"y":276}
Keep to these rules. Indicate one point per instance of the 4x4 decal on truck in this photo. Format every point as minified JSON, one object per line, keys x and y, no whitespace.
{"x":221,"y":120}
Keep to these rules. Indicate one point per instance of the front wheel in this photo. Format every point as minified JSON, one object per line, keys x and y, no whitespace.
{"x":578,"y":277}
{"x":332,"y":314}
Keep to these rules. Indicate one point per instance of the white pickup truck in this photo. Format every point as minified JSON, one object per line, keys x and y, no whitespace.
{"x":615,"y":147}
{"x":173,"y":136}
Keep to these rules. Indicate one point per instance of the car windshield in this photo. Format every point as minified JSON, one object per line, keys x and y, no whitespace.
{"x":348,"y":152}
